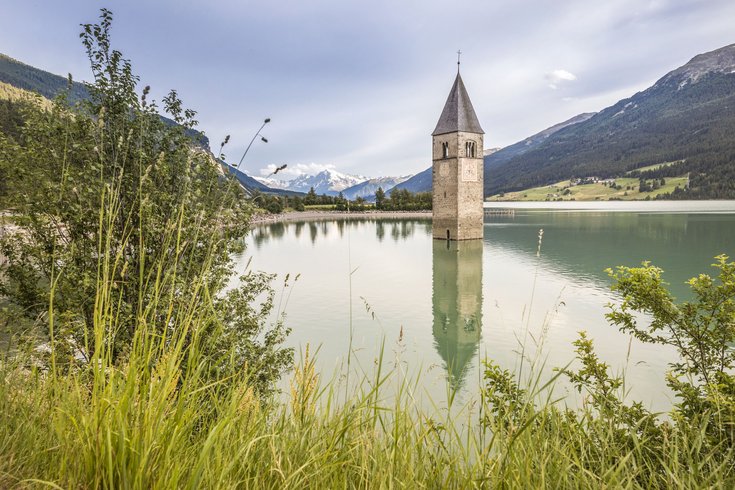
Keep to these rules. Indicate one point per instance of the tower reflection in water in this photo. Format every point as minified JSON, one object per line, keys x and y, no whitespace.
{"x":457,"y":304}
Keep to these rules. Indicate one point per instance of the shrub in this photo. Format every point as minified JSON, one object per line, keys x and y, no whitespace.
{"x":106,"y":191}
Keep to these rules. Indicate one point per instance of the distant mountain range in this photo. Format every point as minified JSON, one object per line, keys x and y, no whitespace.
{"x":332,"y":182}
{"x":688,"y":115}
{"x":329,"y":182}
{"x":20,"y":75}
{"x":506,"y":154}
{"x":368,"y":188}
{"x":251,"y":183}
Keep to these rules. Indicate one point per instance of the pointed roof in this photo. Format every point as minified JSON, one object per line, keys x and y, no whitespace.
{"x":458,"y":113}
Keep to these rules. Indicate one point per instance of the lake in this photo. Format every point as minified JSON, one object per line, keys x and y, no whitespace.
{"x":440,"y":308}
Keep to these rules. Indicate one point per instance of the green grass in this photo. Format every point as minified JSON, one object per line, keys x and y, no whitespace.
{"x":153,"y":423}
{"x":14,"y":94}
{"x":320,"y":207}
{"x":655,"y":166}
{"x":591,"y":192}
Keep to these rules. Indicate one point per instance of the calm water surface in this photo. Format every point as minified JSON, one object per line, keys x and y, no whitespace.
{"x":442,"y":308}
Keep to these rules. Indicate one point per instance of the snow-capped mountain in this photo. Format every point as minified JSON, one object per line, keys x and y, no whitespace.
{"x":273,"y":183}
{"x":368,"y":188}
{"x":328,"y":182}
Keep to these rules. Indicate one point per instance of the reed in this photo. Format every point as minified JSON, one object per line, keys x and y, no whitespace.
{"x":132,"y":427}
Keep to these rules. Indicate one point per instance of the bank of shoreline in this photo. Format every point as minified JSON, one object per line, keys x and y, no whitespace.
{"x":656,"y":206}
{"x":319,"y":215}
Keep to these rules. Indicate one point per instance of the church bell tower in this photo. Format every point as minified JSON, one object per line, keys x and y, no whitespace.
{"x":457,"y":170}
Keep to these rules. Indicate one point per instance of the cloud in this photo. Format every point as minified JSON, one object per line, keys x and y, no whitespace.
{"x":295,"y":170}
{"x":557,"y":76}
{"x":355,"y":84}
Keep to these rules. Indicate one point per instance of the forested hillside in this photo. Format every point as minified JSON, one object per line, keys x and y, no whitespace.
{"x":11,"y":101}
{"x":26,"y":77}
{"x":19,"y":82}
{"x":688,"y":115}
{"x":20,"y":75}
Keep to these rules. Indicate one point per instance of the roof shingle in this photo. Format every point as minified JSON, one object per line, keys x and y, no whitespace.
{"x":458,"y":113}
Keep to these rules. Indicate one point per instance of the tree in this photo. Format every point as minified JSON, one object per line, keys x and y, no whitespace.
{"x":275,"y":206}
{"x":310,"y":198}
{"x":702,"y":331}
{"x":379,"y":198}
{"x":340,"y":202}
{"x":297,"y":203}
{"x":106,"y":194}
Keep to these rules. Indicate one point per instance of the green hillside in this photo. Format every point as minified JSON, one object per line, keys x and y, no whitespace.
{"x":20,"y":75}
{"x":12,"y":100}
{"x":688,"y":116}
{"x":26,"y":77}
{"x":625,"y":189}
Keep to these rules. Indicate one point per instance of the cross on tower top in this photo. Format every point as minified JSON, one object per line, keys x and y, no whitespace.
{"x":459,"y":53}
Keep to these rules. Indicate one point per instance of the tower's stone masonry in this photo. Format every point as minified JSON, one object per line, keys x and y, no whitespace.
{"x":457,"y":189}
{"x":457,"y":171}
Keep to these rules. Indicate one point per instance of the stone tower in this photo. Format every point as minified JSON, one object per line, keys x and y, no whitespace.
{"x":457,"y":171}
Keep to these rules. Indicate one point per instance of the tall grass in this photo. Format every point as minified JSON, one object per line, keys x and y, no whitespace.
{"x":158,"y":420}
{"x":154,"y":423}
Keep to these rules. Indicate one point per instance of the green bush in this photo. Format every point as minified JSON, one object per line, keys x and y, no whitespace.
{"x":275,"y":207}
{"x":105,"y":191}
{"x":623,"y":444}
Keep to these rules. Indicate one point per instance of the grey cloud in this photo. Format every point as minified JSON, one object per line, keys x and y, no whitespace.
{"x":359,"y":85}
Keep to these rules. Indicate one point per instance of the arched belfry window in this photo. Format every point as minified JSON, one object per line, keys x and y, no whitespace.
{"x":470,"y":149}
{"x":445,"y":150}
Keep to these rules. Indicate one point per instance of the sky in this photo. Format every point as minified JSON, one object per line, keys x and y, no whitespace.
{"x":358,"y":86}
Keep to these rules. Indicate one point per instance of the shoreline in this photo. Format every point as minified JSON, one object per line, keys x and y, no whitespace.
{"x":259,"y":219}
{"x":501,"y":207}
